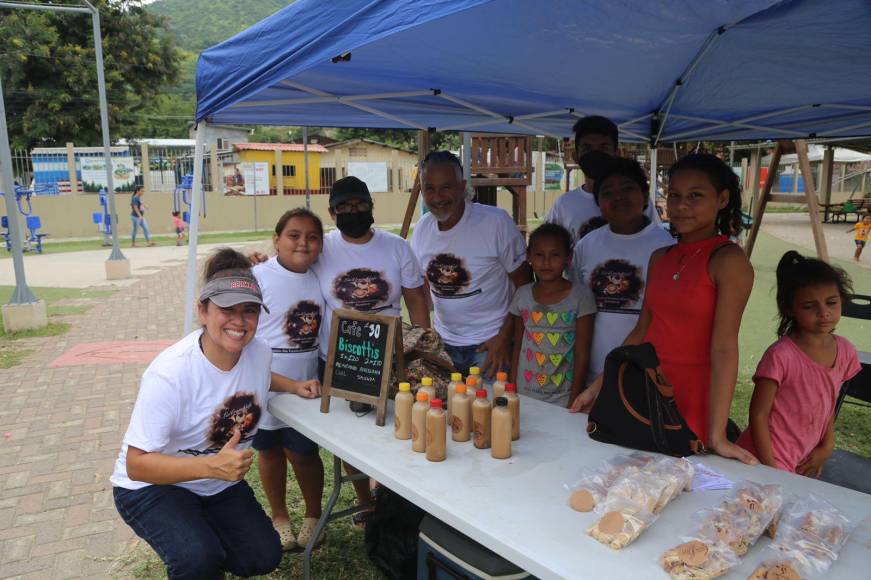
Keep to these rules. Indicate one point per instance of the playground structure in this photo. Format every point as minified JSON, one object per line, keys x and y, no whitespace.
{"x":32,"y":238}
{"x":182,"y":196}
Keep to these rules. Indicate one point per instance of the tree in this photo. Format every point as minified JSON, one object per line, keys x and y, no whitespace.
{"x":48,"y":68}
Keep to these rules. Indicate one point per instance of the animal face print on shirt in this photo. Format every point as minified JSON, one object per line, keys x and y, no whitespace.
{"x":448,"y":276}
{"x":238,"y":411}
{"x":617,"y":285}
{"x":362,"y":289}
{"x":301,"y":327}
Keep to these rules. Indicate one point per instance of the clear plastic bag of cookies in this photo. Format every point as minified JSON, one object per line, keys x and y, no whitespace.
{"x":725,"y":527}
{"x":621,"y":522}
{"x":698,"y":558}
{"x":677,"y":473}
{"x":592,"y":487}
{"x":758,"y":503}
{"x":644,"y":489}
{"x":811,"y":535}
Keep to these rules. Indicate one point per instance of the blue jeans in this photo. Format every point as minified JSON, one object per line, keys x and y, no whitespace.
{"x":137,"y":223}
{"x":202,"y":536}
{"x":464,"y":357}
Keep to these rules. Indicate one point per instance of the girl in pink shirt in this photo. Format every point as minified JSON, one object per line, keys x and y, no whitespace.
{"x":792,"y":413}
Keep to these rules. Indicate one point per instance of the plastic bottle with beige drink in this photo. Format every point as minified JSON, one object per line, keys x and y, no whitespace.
{"x":426,"y":387}
{"x":499,"y":384}
{"x":514,"y":407}
{"x":476,"y":372}
{"x":481,"y":420}
{"x":500,"y":429}
{"x":418,"y":422}
{"x":461,"y":422}
{"x":456,"y":379}
{"x":436,"y":432}
{"x":402,"y":412}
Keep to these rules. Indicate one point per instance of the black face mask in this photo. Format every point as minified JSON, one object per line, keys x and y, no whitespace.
{"x":355,"y":225}
{"x":594,"y":163}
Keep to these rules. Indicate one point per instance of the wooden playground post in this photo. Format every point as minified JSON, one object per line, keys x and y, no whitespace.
{"x":810,"y":193}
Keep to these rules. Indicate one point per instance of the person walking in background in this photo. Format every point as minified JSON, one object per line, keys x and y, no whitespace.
{"x":137,"y":216}
{"x":862,"y":229}
{"x":178,"y":224}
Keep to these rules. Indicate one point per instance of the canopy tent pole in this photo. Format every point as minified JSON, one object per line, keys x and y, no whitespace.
{"x":652,"y":153}
{"x":22,"y":293}
{"x":308,"y":194}
{"x":191,"y":282}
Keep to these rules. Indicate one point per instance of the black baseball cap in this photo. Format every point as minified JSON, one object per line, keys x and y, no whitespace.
{"x":349,"y":188}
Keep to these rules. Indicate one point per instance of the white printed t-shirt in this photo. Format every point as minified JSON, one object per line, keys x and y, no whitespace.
{"x":365,"y":277}
{"x":292,"y":326}
{"x":188,"y":407}
{"x":468,"y":269}
{"x":576,"y":208}
{"x":614,"y":267}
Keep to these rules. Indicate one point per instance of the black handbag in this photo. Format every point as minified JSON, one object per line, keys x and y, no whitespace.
{"x":636,"y":407}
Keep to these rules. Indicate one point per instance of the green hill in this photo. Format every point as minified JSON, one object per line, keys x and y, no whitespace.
{"x":199,"y":24}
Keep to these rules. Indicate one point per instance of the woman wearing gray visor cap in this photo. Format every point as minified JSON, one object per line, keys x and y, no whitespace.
{"x":178,"y":480}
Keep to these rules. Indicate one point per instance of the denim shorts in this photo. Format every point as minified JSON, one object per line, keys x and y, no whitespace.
{"x":286,"y":437}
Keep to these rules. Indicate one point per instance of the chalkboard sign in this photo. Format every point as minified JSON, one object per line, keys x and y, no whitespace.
{"x":360,"y":356}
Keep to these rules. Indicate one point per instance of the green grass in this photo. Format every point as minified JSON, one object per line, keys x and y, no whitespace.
{"x":62,"y":246}
{"x":11,"y":355}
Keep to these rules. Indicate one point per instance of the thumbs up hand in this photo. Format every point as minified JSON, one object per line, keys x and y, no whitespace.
{"x":231,"y":464}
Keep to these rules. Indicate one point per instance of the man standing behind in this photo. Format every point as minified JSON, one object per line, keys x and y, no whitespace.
{"x":595,"y":145}
{"x":473,"y":257}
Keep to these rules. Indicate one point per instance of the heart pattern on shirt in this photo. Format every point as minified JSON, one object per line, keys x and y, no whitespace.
{"x":524,"y":314}
{"x":569,"y":337}
{"x":568,"y":317}
{"x":552,"y":317}
{"x":537,"y":316}
{"x":542,"y":379}
{"x":570,"y":375}
{"x":537,"y":337}
{"x":539,"y":356}
{"x":557,"y":379}
{"x":556,"y":359}
{"x":570,"y":356}
{"x":529,"y":354}
{"x":528,"y":376}
{"x":553,"y":337}
{"x":528,"y":335}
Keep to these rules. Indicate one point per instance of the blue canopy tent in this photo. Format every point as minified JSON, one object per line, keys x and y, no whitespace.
{"x":664,"y":70}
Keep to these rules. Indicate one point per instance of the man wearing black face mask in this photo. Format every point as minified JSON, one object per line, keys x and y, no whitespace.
{"x":366,"y":269}
{"x":595,"y":146}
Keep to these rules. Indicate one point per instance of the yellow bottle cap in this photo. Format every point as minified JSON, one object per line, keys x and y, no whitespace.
{"x":405,"y":387}
{"x":426,"y":381}
{"x":461,"y":388}
{"x":471,"y":381}
{"x":457,"y":377}
{"x":422,"y":396}
{"x":501,"y":376}
{"x":474,"y":371}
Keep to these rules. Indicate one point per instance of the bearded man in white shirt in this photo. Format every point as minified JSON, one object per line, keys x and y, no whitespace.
{"x":473,"y":258}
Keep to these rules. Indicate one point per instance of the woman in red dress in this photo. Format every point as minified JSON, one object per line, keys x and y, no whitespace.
{"x":696,"y":294}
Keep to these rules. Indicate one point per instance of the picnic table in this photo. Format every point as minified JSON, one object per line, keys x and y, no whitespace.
{"x":841,"y":211}
{"x":518,"y":507}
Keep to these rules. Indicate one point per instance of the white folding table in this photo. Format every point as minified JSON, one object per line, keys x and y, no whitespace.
{"x":518,"y":507}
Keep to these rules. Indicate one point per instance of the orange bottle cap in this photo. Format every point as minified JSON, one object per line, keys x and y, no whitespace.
{"x":501,"y":376}
{"x":461,"y":388}
{"x":422,"y":396}
{"x":471,"y":381}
